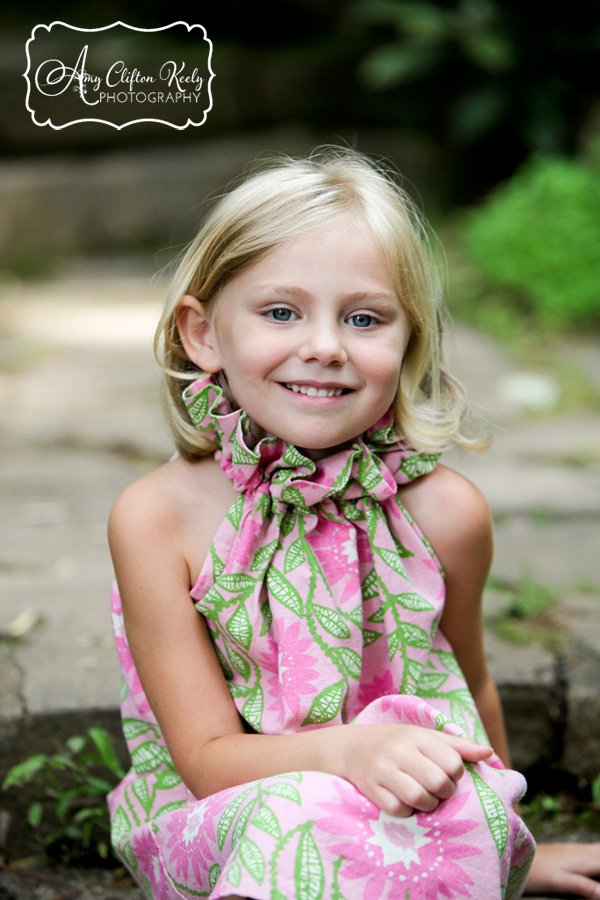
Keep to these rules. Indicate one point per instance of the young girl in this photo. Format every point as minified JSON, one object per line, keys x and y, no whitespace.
{"x":305,"y":695}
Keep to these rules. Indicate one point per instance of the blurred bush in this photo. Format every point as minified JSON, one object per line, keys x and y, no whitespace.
{"x":537,"y":238}
{"x":493,"y":81}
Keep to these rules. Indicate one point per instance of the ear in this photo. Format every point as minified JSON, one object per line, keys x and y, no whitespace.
{"x":196,"y":334}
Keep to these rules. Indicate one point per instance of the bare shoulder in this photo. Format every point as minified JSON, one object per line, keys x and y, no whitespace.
{"x":177,"y":507}
{"x":453,"y":514}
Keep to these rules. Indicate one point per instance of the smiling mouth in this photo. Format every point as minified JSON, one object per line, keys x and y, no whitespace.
{"x":311,"y":391}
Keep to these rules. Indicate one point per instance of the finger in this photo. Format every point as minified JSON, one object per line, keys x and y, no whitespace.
{"x":468,"y":749}
{"x":411,"y":791}
{"x":578,"y":885}
{"x":444,"y":768}
{"x":387,"y":801}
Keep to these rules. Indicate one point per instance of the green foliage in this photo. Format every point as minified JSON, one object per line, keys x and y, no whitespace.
{"x":72,"y":786}
{"x":526,"y":614}
{"x":538,"y":237}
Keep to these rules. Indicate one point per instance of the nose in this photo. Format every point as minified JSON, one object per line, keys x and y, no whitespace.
{"x":324,"y":344}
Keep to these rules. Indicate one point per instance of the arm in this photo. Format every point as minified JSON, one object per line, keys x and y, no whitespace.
{"x":157,"y":541}
{"x":460,"y":530}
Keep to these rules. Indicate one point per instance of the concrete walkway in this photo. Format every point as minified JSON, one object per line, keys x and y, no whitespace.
{"x":80,"y":420}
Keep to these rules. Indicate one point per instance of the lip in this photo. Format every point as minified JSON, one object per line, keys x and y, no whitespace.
{"x":301,"y":387}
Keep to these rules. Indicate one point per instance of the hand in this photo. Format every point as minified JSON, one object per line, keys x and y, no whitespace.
{"x":565,"y":869}
{"x":403,"y":768}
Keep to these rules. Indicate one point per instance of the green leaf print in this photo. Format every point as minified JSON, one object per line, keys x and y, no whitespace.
{"x":369,"y":637}
{"x":267,"y":618}
{"x":493,"y":809}
{"x":239,"y":626}
{"x":235,"y":513}
{"x":263,"y":556}
{"x":309,"y":876}
{"x":166,"y":780}
{"x":225,"y":667}
{"x":140,"y":789}
{"x":293,"y":457}
{"x":236,"y":582}
{"x":458,"y":717}
{"x":431,"y":681}
{"x":252,"y":709}
{"x":419,"y":464}
{"x":391,"y":559}
{"x":198,"y":408}
{"x":214,"y":875}
{"x":242,"y":821}
{"x":326,"y":704}
{"x":356,"y":616}
{"x":218,"y":564}
{"x":253,"y":860}
{"x":129,"y":857}
{"x":413,"y":670}
{"x":133,"y":728}
{"x":288,"y":522}
{"x":268,"y":821}
{"x":169,"y":808}
{"x":228,"y":815}
{"x":121,"y":826}
{"x":282,"y":789}
{"x":234,"y":876}
{"x":331,"y":621}
{"x":294,"y":556}
{"x":378,"y":616}
{"x":238,"y":662}
{"x":370,"y":586}
{"x":284,"y":591}
{"x":349,"y":660}
{"x":448,"y":660}
{"x":294,"y":496}
{"x":241,"y":456}
{"x":415,"y":636}
{"x":149,"y":756}
{"x":414,"y":602}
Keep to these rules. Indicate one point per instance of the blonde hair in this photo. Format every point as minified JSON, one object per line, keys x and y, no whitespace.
{"x":283,"y":199}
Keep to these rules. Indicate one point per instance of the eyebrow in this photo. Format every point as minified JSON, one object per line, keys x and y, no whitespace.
{"x":298,"y":292}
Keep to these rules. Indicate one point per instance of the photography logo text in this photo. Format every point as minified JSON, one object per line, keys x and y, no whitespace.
{"x":119,"y":75}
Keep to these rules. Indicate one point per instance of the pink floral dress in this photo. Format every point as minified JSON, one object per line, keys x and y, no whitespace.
{"x":322,"y":598}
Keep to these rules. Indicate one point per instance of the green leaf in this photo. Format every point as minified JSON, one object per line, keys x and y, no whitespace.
{"x":169,"y":808}
{"x":148,"y":756}
{"x":419,"y":464}
{"x":133,"y":728}
{"x":252,"y":709}
{"x":350,"y":661}
{"x":105,"y":747}
{"x":295,"y":555}
{"x":369,"y":637}
{"x":140,"y":789}
{"x":326,"y":704}
{"x":267,"y":618}
{"x":242,"y":821}
{"x":331,"y":621}
{"x":431,"y":681}
{"x":236,"y":582}
{"x":218,"y":564}
{"x":238,"y":662}
{"x":415,"y":636}
{"x":493,"y":809}
{"x":239,"y":626}
{"x":391,"y":559}
{"x":449,"y":662}
{"x":308,"y":874}
{"x":235,"y":513}
{"x":288,"y":522}
{"x":228,"y":816}
{"x":166,"y":780}
{"x":121,"y":826}
{"x":24,"y":771}
{"x":35,"y":814}
{"x":414,"y":602}
{"x":234,"y":876}
{"x":264,"y":555}
{"x":282,"y":789}
{"x":284,"y":591}
{"x":268,"y":821}
{"x":253,"y":859}
{"x":214,"y":875}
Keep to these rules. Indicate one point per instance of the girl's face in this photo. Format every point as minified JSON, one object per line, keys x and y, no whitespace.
{"x":312,"y":336}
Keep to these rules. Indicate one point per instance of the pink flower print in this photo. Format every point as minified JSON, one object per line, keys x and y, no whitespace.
{"x":379,"y":687}
{"x":290,"y":666}
{"x":147,"y":853}
{"x":246,"y":544}
{"x":191,"y":831}
{"x":421,"y":852}
{"x":338,"y":547}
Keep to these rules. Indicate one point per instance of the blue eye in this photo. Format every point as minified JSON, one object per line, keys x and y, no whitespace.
{"x":281,"y":314}
{"x":362,"y":320}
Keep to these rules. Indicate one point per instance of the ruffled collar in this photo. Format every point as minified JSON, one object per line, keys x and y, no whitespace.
{"x":373,"y":464}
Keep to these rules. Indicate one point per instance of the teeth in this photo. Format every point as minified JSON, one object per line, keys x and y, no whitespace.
{"x":315,"y":392}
